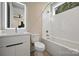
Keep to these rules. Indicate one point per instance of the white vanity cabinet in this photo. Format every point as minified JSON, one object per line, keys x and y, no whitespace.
{"x":7,"y":51}
{"x":24,"y":48}
{"x":18,"y":45}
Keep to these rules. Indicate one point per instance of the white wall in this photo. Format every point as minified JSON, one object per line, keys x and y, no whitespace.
{"x":66,"y":25}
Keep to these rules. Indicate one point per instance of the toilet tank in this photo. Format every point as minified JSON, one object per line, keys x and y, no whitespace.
{"x":35,"y":38}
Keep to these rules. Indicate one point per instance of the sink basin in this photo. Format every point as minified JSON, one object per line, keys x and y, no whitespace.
{"x":11,"y":32}
{"x":21,"y":30}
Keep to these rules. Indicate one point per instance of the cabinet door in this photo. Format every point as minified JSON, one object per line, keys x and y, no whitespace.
{"x":7,"y":51}
{"x":21,"y":50}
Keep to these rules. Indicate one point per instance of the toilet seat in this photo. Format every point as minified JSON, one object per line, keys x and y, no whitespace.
{"x":39,"y":46}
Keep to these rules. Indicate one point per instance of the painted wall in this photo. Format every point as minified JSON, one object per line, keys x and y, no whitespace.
{"x":34,"y":17}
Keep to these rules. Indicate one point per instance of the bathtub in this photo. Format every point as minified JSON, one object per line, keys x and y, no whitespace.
{"x":57,"y":46}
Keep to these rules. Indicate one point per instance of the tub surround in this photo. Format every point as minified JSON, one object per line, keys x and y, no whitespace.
{"x":63,"y":33}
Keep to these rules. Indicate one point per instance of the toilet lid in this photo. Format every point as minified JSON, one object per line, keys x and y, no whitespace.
{"x":39,"y":45}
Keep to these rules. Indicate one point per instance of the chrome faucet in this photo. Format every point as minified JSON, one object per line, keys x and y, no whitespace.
{"x":16,"y":29}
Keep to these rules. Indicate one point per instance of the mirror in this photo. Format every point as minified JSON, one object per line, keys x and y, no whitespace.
{"x":15,"y":15}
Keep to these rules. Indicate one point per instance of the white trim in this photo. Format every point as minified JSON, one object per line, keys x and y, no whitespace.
{"x":20,"y":3}
{"x":53,"y":11}
{"x":45,"y":7}
{"x":25,"y":16}
{"x":57,"y":5}
{"x":5,"y":15}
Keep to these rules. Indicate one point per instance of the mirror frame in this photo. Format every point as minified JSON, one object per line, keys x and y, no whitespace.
{"x":24,"y":15}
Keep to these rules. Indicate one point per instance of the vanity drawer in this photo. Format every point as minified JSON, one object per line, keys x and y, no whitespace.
{"x":14,"y":39}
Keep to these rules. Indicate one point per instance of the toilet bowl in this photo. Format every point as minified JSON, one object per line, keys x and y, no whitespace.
{"x":38,"y":45}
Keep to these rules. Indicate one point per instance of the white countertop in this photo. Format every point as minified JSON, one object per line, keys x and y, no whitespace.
{"x":13,"y":34}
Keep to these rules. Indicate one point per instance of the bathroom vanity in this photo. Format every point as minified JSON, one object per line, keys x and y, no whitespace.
{"x":14,"y":40}
{"x":16,"y":44}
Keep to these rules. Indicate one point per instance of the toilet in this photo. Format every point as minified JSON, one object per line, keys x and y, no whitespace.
{"x":38,"y":45}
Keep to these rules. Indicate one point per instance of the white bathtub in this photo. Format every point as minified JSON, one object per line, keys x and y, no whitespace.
{"x":61,"y":47}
